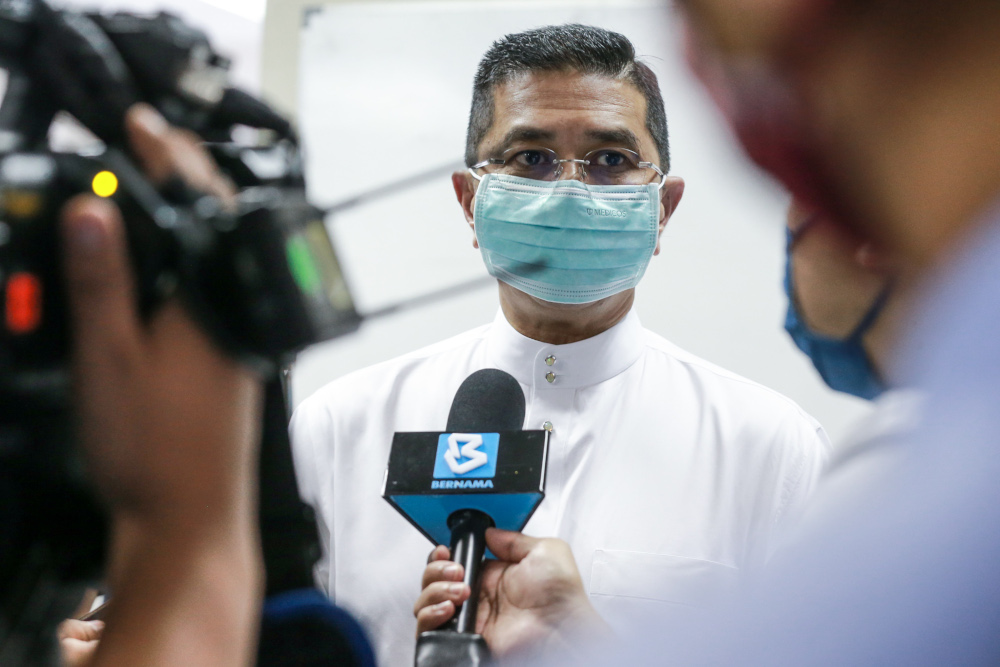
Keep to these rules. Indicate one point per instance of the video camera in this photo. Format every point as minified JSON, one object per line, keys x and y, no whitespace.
{"x":261,"y":278}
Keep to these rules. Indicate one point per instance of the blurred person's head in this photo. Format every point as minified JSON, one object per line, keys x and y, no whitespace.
{"x":567,"y":138}
{"x":841,"y":302}
{"x":880,"y":113}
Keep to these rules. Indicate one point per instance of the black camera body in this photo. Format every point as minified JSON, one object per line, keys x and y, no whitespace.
{"x":262,"y":279}
{"x":260,"y":276}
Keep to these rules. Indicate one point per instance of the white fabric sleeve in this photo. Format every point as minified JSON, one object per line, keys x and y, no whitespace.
{"x":809,"y":452}
{"x":309,"y":426}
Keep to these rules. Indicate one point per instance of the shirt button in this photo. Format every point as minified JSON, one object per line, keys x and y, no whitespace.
{"x":547,"y":426}
{"x":549,"y":360}
{"x":550,"y":376}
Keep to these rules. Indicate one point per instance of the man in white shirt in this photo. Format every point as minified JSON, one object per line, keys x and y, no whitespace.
{"x":666,"y":475}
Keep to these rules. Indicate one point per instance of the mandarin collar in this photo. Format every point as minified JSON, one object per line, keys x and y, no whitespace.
{"x":573,"y":365}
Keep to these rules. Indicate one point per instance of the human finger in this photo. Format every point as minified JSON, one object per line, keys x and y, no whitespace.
{"x":508,"y":545}
{"x":99,"y":284}
{"x":77,"y":653}
{"x":165,"y":152}
{"x":440,"y":552}
{"x":441,"y":591}
{"x":73,"y":628}
{"x":430,"y":618}
{"x":78,"y":641}
{"x":441,"y":570}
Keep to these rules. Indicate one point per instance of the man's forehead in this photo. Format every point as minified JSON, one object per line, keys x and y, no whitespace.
{"x":551,"y":105}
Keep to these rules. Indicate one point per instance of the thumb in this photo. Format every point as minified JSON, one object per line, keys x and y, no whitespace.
{"x":99,"y":281}
{"x":508,"y":545}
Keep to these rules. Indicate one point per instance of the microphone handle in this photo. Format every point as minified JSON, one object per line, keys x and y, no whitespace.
{"x":468,"y":546}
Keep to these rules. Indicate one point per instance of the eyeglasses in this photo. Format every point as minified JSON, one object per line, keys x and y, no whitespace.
{"x":603,"y":166}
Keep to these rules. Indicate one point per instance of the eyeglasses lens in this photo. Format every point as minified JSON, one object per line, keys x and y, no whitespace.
{"x":608,"y":166}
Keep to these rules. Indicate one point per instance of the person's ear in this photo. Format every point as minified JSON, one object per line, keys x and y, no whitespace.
{"x":670,"y":197}
{"x":465,"y":192}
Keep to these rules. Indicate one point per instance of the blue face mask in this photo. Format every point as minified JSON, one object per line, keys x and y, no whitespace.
{"x":842,"y":363}
{"x":566,"y":241}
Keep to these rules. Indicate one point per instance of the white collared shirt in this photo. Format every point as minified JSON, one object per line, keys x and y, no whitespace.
{"x":666,"y":474}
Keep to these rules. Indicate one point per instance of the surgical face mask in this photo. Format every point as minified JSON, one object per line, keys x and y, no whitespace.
{"x":566,"y":241}
{"x":842,"y":362}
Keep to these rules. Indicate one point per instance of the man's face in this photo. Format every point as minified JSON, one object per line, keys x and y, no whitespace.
{"x":572,"y":114}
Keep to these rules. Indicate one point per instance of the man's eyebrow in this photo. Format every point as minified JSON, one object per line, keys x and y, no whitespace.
{"x":524,"y":134}
{"x":620,"y":137}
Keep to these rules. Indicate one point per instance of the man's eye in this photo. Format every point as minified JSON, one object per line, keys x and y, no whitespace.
{"x":530,"y":158}
{"x":610,"y":159}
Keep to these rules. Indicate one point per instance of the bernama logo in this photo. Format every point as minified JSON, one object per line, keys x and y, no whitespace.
{"x":466,"y":455}
{"x":471,"y":442}
{"x":462,"y":484}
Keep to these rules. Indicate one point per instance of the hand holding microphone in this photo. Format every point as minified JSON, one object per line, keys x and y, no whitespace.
{"x":531,"y":596}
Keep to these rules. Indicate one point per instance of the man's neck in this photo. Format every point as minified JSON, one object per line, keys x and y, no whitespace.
{"x":559,"y":324}
{"x":921,"y":158}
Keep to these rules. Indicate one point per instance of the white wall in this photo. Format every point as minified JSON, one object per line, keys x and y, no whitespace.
{"x":384,"y":92}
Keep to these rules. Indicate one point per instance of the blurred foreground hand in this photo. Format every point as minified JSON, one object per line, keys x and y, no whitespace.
{"x":168,"y":427}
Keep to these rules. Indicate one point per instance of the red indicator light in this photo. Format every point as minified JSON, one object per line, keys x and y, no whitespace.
{"x":24,"y":303}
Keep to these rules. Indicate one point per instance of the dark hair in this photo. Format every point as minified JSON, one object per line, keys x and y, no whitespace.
{"x":572,"y":47}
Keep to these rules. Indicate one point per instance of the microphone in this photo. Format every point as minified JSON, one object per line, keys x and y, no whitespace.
{"x":483,"y":471}
{"x":488,"y":400}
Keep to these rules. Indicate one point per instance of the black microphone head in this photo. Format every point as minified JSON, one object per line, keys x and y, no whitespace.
{"x":485,"y":461}
{"x":488,"y":401}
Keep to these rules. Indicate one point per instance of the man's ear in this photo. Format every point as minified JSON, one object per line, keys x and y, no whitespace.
{"x":670,"y":197}
{"x":465,"y":192}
